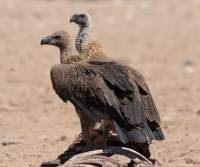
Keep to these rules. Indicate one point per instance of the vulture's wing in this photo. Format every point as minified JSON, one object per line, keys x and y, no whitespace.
{"x":151,"y":112}
{"x":100,"y":89}
{"x":104,"y":91}
{"x":144,"y":96}
{"x":147,"y":100}
{"x":135,"y":78}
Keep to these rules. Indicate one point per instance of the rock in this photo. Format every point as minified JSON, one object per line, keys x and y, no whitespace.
{"x":6,"y":107}
{"x":171,"y":160}
{"x":47,"y":101}
{"x":23,"y":58}
{"x":9,"y":142}
{"x":189,"y":66}
{"x":192,"y":153}
{"x":63,"y":138}
{"x":189,"y":62}
{"x":3,"y":155}
{"x":189,"y":69}
{"x":43,"y":138}
{"x":166,"y":118}
{"x":188,"y":160}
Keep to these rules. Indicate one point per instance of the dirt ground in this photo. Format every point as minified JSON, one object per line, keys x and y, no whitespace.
{"x":161,"y":39}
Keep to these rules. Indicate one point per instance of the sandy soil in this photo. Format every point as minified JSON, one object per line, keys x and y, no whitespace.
{"x":158,"y":38}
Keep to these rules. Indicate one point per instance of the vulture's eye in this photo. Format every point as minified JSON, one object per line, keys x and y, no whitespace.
{"x":56,"y":37}
{"x":82,"y":15}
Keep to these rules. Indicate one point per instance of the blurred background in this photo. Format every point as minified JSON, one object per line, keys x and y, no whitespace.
{"x":161,"y":39}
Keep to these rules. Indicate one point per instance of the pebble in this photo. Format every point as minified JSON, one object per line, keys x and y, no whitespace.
{"x":189,"y":69}
{"x":171,"y":160}
{"x":6,"y":107}
{"x":9,"y":142}
{"x":24,"y":58}
{"x":189,"y":62}
{"x":189,"y":66}
{"x":3,"y":155}
{"x":192,"y":153}
{"x":63,"y":138}
{"x":166,"y":118}
{"x":42,"y":138}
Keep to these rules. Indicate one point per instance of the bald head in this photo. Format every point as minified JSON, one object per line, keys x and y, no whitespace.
{"x":81,"y":18}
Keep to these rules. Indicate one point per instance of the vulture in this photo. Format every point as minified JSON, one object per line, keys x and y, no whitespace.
{"x":99,"y":90}
{"x":140,"y":118}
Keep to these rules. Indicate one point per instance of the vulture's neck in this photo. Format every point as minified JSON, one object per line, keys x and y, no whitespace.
{"x":65,"y":53}
{"x":66,"y":56}
{"x":81,"y":39}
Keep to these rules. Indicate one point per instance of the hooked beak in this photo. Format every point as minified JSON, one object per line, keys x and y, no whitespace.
{"x":45,"y":40}
{"x":73,"y":18}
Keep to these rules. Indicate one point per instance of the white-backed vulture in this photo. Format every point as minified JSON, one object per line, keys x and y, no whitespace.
{"x":99,"y":90}
{"x":104,"y":90}
{"x":142,"y":95}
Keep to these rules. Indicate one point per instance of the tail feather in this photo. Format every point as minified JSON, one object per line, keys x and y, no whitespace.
{"x":159,"y":134}
{"x":122,"y":136}
{"x":137,"y":135}
{"x":148,"y":133}
{"x":156,"y":135}
{"x":143,"y":135}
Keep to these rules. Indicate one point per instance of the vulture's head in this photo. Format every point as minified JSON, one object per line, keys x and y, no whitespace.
{"x":81,"y":18}
{"x":60,"y":39}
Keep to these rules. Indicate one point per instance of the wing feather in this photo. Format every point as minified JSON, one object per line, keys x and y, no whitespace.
{"x":109,"y":90}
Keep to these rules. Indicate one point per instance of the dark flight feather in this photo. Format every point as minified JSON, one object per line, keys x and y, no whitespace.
{"x":109,"y":91}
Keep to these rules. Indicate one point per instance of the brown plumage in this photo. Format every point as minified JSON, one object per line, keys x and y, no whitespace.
{"x":73,"y":59}
{"x":141,"y":89}
{"x":79,"y":82}
{"x":102,"y":89}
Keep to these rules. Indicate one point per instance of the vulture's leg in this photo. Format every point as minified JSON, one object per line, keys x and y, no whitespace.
{"x":87,"y":126}
{"x":107,"y":127}
{"x":88,"y":133}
